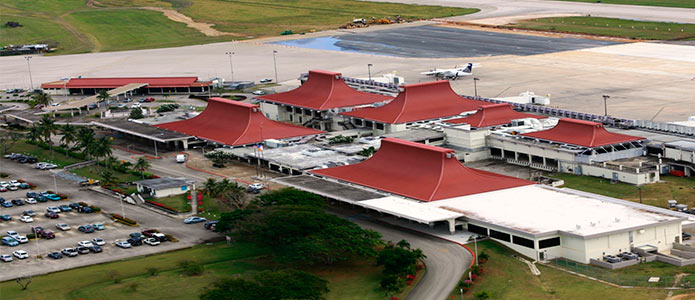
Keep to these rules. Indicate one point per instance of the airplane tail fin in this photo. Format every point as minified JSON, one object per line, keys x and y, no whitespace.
{"x":469,"y":68}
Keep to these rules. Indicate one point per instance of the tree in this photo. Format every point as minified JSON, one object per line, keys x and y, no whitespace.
{"x":103,"y":95}
{"x":40,"y":99}
{"x":69,"y":135}
{"x":270,"y":285}
{"x":303,"y":234}
{"x":482,"y":295}
{"x":399,"y":260}
{"x":218,"y":158}
{"x":367,"y":152}
{"x":391,"y":285}
{"x":108,"y":179}
{"x":102,"y":148}
{"x":231,"y":193}
{"x":290,"y":196}
{"x":142,"y":165}
{"x":47,"y":127}
{"x":210,"y":188}
{"x":23,"y":282}
{"x":340,"y":139}
{"x":34,"y":133}
{"x":229,"y":220}
{"x":86,"y":139}
{"x":136,"y":113}
{"x":191,"y":267}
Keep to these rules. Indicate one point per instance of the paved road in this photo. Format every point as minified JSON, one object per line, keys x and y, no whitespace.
{"x":446,"y":261}
{"x":506,"y":8}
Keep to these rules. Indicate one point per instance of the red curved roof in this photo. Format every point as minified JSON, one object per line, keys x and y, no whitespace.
{"x":235,"y":123}
{"x":493,"y":114}
{"x":417,"y":102}
{"x":324,"y":90}
{"x":421,"y":172}
{"x":582,"y":133}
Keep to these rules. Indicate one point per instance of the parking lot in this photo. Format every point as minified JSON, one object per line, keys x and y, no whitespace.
{"x":187,"y":235}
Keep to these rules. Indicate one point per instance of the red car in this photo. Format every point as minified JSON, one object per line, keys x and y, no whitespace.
{"x":52,"y":215}
{"x":149,"y":99}
{"x":149,"y":232}
{"x":3,"y":189}
{"x":47,"y":235}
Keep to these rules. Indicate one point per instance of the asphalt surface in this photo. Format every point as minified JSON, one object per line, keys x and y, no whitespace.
{"x":442,"y":42}
{"x":505,"y":8}
{"x":188,"y":235}
{"x":446,"y":261}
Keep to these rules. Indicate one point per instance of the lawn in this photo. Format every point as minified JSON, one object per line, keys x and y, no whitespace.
{"x":94,"y":172}
{"x":177,"y":202}
{"x":352,"y":282}
{"x":43,"y":154}
{"x":656,"y":194}
{"x":666,"y":3}
{"x":120,"y":25}
{"x":507,"y":278}
{"x":612,"y":27}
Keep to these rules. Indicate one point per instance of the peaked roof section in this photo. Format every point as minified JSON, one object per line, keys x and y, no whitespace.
{"x":235,"y":123}
{"x":493,"y":114}
{"x":417,"y":102}
{"x":582,"y":133}
{"x":420,"y":172}
{"x":322,"y":91}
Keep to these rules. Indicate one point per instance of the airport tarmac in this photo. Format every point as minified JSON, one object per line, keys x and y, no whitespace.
{"x":641,"y":78}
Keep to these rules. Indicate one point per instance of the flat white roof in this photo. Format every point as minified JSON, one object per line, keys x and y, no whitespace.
{"x":410,"y":209}
{"x":536,"y":209}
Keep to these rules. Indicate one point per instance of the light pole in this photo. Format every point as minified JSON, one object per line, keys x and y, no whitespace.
{"x":605,"y":106}
{"x":369,"y":69}
{"x":231,"y":65}
{"x":275,"y":65}
{"x":475,"y":85}
{"x":640,"y":193}
{"x":55,"y":183}
{"x":475,"y":242}
{"x":31,"y":80}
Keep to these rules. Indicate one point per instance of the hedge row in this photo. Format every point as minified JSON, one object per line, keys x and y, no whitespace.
{"x":124,"y":220}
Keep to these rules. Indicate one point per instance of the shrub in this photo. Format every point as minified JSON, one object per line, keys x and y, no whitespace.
{"x":114,"y":275}
{"x":4,"y":175}
{"x":96,"y":209}
{"x":482,"y":295}
{"x":123,"y":220}
{"x":31,"y":236}
{"x":191,"y":267}
{"x":152,"y":271}
{"x":170,"y":238}
{"x":82,"y":203}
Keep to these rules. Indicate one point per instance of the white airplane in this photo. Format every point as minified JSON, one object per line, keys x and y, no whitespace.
{"x":452,"y":74}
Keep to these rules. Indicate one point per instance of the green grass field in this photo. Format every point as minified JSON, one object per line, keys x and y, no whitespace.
{"x":357,"y":281}
{"x":612,"y":27}
{"x":508,"y":278}
{"x":656,"y":194}
{"x":42,"y":154}
{"x":666,"y":3}
{"x":113,"y":25}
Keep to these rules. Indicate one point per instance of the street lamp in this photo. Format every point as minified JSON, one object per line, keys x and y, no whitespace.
{"x":231,"y":66}
{"x":640,"y":193}
{"x":369,"y":69}
{"x":605,"y":106}
{"x":31,"y":80}
{"x":275,"y":65}
{"x":475,"y":85}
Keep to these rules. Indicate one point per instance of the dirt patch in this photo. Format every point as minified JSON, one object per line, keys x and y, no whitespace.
{"x":682,"y":297}
{"x":204,"y":28}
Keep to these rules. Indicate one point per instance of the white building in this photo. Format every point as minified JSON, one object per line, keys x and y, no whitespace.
{"x":163,"y":187}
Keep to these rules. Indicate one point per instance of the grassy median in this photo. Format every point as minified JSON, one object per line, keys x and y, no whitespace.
{"x":612,"y":27}
{"x":665,"y":3}
{"x":78,"y":26}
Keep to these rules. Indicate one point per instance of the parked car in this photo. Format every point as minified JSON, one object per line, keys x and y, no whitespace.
{"x":5,"y":217}
{"x":26,"y":219}
{"x":95,"y":249}
{"x":136,"y":235}
{"x":52,"y":197}
{"x":32,"y":195}
{"x":123,"y":244}
{"x":36,"y":229}
{"x":30,"y":201}
{"x":86,"y":229}
{"x":85,"y":244}
{"x":52,"y":215}
{"x":21,"y":239}
{"x":18,"y":202}
{"x":265,"y":80}
{"x":149,"y":232}
{"x":63,"y":226}
{"x":258,"y":92}
{"x":75,"y":206}
{"x":211,"y":225}
{"x":152,"y":241}
{"x":6,"y":258}
{"x":98,"y":241}
{"x":48,"y":235}
{"x":135,"y":241}
{"x":85,"y":210}
{"x":686,"y":236}
{"x":21,"y":254}
{"x":53,"y":209}
{"x":8,"y":241}
{"x":65,"y":208}
{"x":193,"y":219}
{"x":3,"y":189}
{"x":82,"y":250}
{"x":98,"y":226}
{"x":69,"y":252}
{"x":6,"y":204}
{"x":55,"y":255}
{"x":30,"y":213}
{"x":160,"y":237}
{"x":136,"y":105}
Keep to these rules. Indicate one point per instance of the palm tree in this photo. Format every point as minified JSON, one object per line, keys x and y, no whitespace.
{"x":232,"y":193}
{"x":142,"y":165}
{"x":103,"y":95}
{"x":211,"y":188}
{"x":69,"y":135}
{"x":102,"y":148}
{"x":85,"y":136}
{"x":34,"y":133}
{"x":42,"y":99}
{"x":110,"y":161}
{"x":47,"y":127}
{"x":107,"y":178}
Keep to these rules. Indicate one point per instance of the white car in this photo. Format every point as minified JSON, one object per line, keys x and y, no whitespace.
{"x":12,"y":234}
{"x":15,"y":183}
{"x":256,"y":186}
{"x":30,"y":200}
{"x":6,"y":258}
{"x":4,"y":184}
{"x":21,"y":254}
{"x":98,"y":241}
{"x":48,"y":166}
{"x":266,"y":80}
{"x":21,"y":239}
{"x":26,"y":219}
{"x":55,"y":104}
{"x":123,"y":244}
{"x":54,"y":209}
{"x":136,"y":105}
{"x":258,"y":92}
{"x":11,"y":187}
{"x":152,"y":241}
{"x":85,"y":244}
{"x":63,"y":226}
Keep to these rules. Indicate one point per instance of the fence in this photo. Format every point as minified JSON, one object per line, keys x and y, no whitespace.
{"x":626,"y":277}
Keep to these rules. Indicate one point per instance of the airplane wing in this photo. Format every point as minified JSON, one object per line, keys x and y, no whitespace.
{"x":433,"y":72}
